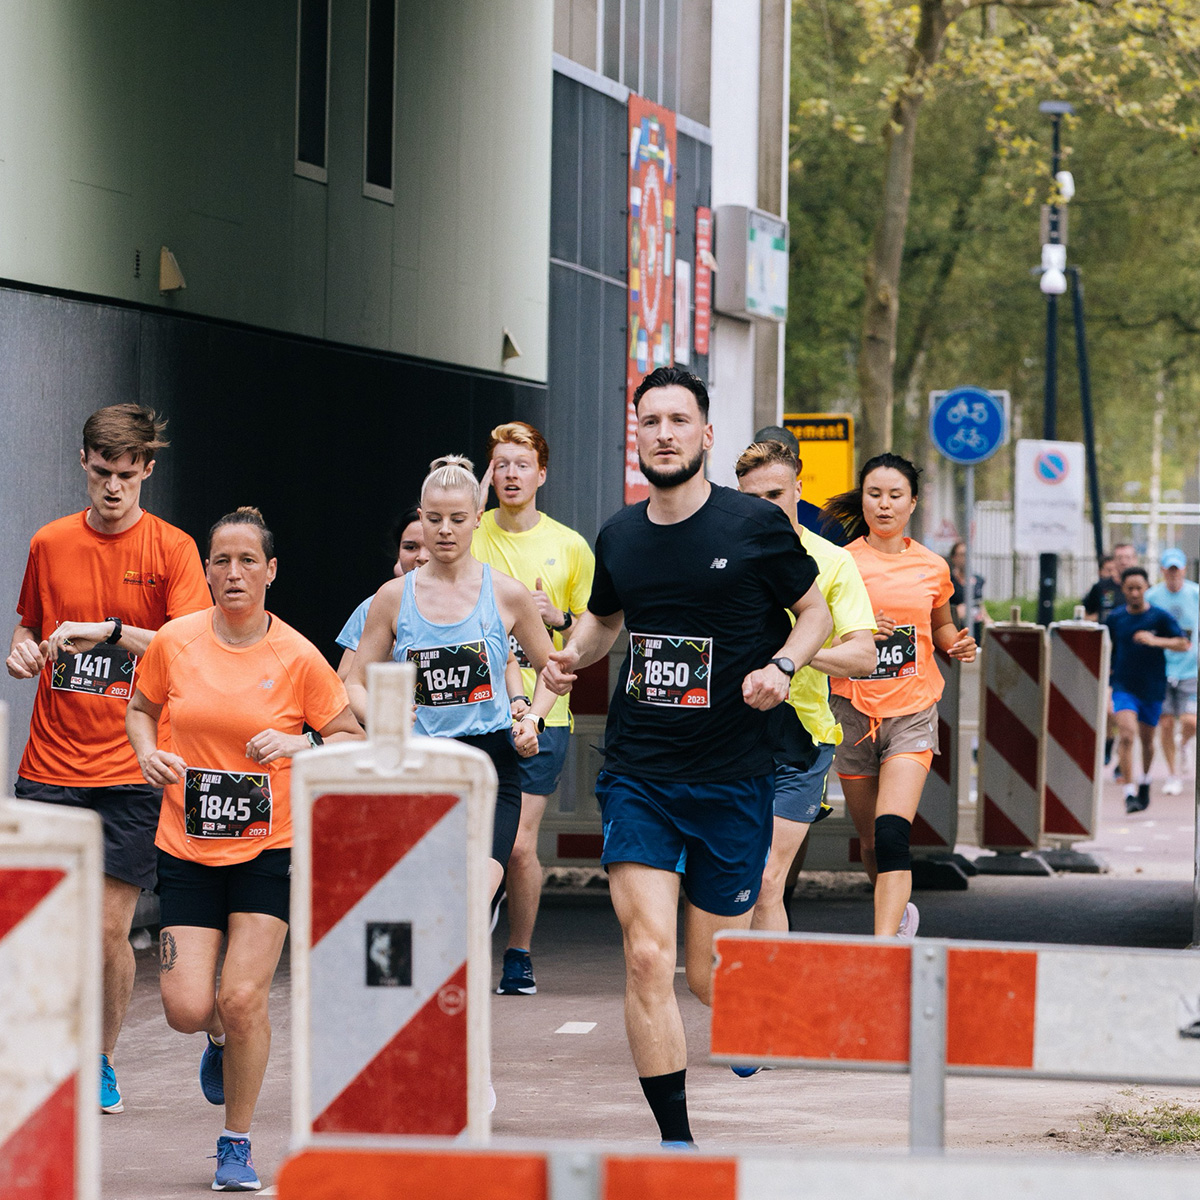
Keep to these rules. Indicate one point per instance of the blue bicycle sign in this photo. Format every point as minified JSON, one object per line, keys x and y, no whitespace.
{"x":968,"y":425}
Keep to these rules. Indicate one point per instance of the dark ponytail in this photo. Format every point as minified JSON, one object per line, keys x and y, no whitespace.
{"x":845,"y":511}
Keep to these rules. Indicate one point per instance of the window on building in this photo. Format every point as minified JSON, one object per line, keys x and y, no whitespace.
{"x":380,"y":115}
{"x":312,"y":88}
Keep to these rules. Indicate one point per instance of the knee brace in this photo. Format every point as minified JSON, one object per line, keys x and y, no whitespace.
{"x":891,"y":843}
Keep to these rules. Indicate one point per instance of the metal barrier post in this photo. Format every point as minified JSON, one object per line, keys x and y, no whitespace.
{"x":927,"y":1050}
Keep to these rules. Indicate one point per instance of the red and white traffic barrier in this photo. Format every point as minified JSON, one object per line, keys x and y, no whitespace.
{"x":935,"y":826}
{"x":1012,"y":763}
{"x":390,"y":950}
{"x":1075,"y":728}
{"x":50,"y":900}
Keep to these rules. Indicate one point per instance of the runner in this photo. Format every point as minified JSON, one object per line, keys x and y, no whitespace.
{"x":700,"y":575}
{"x":555,"y":563}
{"x":889,"y":717}
{"x":771,"y":471}
{"x":97,"y":585}
{"x":1103,"y":596}
{"x":453,"y":619}
{"x":410,"y":553}
{"x":1179,"y":596}
{"x":238,"y":685}
{"x":1141,"y":634}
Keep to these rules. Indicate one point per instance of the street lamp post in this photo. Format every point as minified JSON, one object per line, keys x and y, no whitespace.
{"x":1053,"y":284}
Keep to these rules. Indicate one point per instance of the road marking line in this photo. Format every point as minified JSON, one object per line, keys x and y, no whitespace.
{"x":576,"y":1027}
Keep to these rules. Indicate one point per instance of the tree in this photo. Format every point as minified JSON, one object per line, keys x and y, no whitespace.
{"x":1138,"y":60}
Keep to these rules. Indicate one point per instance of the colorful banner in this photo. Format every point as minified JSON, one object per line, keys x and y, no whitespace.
{"x":651,"y":263}
{"x":703,"y":288}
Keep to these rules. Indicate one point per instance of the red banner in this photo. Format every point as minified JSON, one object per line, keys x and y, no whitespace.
{"x":703,"y":279}
{"x":651,"y":263}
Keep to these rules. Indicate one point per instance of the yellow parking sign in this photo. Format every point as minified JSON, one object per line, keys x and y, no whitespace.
{"x":826,"y":452}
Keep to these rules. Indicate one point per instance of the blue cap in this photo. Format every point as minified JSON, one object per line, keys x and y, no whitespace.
{"x":1173,"y":558}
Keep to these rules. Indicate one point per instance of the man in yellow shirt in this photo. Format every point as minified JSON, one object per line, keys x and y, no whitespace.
{"x":771,"y":471}
{"x":556,"y":564}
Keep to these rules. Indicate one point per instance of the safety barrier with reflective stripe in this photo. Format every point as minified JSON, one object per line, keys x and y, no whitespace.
{"x":391,"y":958}
{"x":50,"y":903}
{"x":1012,"y":764}
{"x":565,"y":1171}
{"x":1076,"y":718}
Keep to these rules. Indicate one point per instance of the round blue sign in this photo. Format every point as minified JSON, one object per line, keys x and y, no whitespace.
{"x":1050,"y":466}
{"x":967,"y":425}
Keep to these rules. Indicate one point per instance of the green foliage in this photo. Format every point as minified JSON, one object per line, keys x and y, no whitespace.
{"x":1001,"y":610}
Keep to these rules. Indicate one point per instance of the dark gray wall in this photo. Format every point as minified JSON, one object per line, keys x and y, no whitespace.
{"x":330,"y":442}
{"x":583,"y":410}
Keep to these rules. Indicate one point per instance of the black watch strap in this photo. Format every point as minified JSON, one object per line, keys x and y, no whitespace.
{"x":785,"y":665}
{"x":114,"y":637}
{"x":568,"y":618}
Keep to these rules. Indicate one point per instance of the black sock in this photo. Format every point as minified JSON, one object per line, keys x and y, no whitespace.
{"x":1108,"y":745}
{"x":667,"y":1097}
{"x":788,"y":893}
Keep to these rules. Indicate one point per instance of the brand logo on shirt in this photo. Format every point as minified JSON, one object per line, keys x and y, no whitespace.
{"x":267,"y":683}
{"x":718,"y":564}
{"x":147,"y":580}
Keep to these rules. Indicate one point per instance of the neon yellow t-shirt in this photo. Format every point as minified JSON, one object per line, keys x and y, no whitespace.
{"x":556,"y":555}
{"x":850,"y":606}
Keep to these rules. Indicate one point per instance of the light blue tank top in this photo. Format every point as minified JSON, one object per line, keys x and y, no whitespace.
{"x":460,"y":667}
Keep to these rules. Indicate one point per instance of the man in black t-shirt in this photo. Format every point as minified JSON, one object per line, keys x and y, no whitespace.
{"x":700,"y":576}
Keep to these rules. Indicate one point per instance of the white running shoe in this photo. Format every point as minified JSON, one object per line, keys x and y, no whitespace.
{"x":1173,"y":786}
{"x":908,"y":923}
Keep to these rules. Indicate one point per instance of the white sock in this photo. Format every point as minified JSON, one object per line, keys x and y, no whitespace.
{"x":1130,"y":790}
{"x":229,"y":1133}
{"x":1145,"y":777}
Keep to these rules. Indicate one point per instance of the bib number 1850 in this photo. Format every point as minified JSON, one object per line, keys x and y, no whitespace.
{"x":673,"y":672}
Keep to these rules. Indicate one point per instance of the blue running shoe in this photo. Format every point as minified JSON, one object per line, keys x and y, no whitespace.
{"x":679,"y":1145}
{"x":745,"y":1072}
{"x":517,"y":977}
{"x":212,"y":1071}
{"x":110,"y":1095}
{"x":235,"y":1169}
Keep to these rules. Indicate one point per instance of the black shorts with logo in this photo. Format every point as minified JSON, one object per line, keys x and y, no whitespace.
{"x":192,"y":893}
{"x":129,"y":814}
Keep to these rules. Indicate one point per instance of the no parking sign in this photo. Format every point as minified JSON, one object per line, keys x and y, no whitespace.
{"x":1049,"y":497}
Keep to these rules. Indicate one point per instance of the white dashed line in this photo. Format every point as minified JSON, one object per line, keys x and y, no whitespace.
{"x":576,"y":1027}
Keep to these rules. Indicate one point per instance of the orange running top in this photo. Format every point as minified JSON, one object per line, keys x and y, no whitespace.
{"x":905,"y":587}
{"x":218,"y":697}
{"x":145,"y":575}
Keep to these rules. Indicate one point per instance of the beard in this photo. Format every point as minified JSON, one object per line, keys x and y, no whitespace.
{"x":672,"y":479}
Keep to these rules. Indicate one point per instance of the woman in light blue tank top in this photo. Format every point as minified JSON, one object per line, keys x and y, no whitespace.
{"x":452,"y":618}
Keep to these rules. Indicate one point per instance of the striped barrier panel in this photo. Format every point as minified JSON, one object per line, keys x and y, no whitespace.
{"x":935,"y":826}
{"x":391,"y":956}
{"x":1075,"y":729}
{"x":563,"y":1171}
{"x":51,"y":869}
{"x":1012,"y":763}
{"x":932,"y":1007}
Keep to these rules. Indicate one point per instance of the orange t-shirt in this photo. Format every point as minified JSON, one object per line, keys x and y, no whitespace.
{"x":905,"y":587}
{"x":146,"y":575}
{"x":219,"y":697}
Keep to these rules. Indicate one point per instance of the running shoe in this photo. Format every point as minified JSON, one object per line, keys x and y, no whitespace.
{"x":517,"y":977}
{"x":679,"y":1145}
{"x":1173,"y":786}
{"x":909,"y":923}
{"x":212,"y":1071}
{"x":110,"y":1094}
{"x":824,"y":811}
{"x":745,"y":1072}
{"x":235,"y":1168}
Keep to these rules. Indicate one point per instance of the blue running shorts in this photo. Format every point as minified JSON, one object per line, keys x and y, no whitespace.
{"x":1148,"y":711}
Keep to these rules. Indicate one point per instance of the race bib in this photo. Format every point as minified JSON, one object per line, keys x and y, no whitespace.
{"x":102,"y":671}
{"x":226,"y":804}
{"x":671,"y":671}
{"x":449,"y":675}
{"x":515,"y":650}
{"x":896,"y":655}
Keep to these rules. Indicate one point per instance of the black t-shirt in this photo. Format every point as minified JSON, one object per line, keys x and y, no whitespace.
{"x":1140,"y":670}
{"x":1103,"y":597}
{"x":704,"y":604}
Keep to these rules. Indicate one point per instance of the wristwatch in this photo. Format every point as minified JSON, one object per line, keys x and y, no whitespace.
{"x":539,"y":722}
{"x":785,"y":665}
{"x":567,"y":619}
{"x":114,"y":637}
{"x":314,"y":739}
{"x":514,"y":699}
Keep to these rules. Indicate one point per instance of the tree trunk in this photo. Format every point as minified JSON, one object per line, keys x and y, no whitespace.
{"x":881,"y":304}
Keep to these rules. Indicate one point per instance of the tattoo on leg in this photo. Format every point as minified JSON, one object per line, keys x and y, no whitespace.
{"x":168,"y":953}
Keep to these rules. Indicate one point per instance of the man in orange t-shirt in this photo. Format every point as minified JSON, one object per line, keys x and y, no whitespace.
{"x":98,"y":583}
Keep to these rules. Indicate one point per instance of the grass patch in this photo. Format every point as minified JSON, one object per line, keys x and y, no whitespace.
{"x":1167,"y":1124}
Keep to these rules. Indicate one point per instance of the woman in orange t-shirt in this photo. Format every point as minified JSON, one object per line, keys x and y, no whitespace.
{"x":239,"y":685}
{"x":889,"y":718}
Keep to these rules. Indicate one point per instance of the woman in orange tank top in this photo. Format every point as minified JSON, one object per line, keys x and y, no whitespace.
{"x":889,"y":718}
